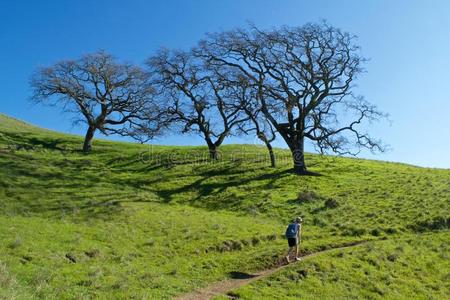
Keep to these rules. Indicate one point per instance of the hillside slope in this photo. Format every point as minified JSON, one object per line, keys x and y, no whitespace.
{"x":152,"y":222}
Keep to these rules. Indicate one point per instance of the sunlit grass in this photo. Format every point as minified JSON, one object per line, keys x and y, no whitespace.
{"x":151,"y":222}
{"x":411,"y":267}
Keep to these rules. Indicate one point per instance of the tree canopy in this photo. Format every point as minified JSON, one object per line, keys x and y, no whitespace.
{"x":304,"y":77}
{"x":295,"y":82}
{"x":108,"y":96}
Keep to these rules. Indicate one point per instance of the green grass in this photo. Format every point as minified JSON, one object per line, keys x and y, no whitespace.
{"x":157,"y":221}
{"x":411,"y":267}
{"x":155,"y":249}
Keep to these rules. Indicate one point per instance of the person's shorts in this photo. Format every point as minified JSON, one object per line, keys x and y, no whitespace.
{"x":292,"y":242}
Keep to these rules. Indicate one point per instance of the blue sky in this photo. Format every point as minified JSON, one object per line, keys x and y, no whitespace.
{"x":408,"y":43}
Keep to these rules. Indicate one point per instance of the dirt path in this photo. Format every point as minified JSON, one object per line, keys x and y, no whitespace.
{"x":222,"y":287}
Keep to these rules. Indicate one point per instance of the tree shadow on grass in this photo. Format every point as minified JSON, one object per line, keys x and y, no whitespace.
{"x":51,"y":144}
{"x":32,"y":187}
{"x":29,"y":141}
{"x":206,"y":191}
{"x":64,"y":190}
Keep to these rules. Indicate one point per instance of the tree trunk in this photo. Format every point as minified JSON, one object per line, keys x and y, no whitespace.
{"x":87,"y":146}
{"x":298,"y":156}
{"x":212,"y":147}
{"x":263,"y":138}
{"x":272,"y":155}
{"x":213,"y":152}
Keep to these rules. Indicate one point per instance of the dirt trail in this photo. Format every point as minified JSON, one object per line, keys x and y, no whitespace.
{"x":222,"y":287}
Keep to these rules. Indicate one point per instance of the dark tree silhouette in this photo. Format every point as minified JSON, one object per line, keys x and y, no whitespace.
{"x":197,"y":99}
{"x":304,"y":78}
{"x":108,"y":96}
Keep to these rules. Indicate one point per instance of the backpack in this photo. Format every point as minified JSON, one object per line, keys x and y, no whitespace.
{"x":291,"y":231}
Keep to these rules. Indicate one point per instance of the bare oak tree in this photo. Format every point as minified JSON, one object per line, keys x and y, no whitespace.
{"x":304,"y":77}
{"x":108,"y":96}
{"x":198,"y":100}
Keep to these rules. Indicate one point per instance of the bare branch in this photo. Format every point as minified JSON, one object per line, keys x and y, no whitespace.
{"x":109,"y":95}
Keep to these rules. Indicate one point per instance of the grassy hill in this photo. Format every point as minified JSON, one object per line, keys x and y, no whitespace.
{"x":152,"y":222}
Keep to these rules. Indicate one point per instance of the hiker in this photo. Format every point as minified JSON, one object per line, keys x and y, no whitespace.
{"x":293,"y":235}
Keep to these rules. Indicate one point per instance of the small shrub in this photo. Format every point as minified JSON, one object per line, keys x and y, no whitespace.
{"x":437,"y":223}
{"x":271,"y":237}
{"x":84,"y":283}
{"x":230,"y":245}
{"x":25,"y":259}
{"x":173,"y":272}
{"x":236,"y":245}
{"x":307,"y":196}
{"x":390,"y":230}
{"x":298,"y":275}
{"x":245,"y":242}
{"x":71,"y":257}
{"x":211,"y":249}
{"x":373,"y":262}
{"x":92,"y":253}
{"x":223,"y":248}
{"x":392,"y":257}
{"x":255,"y":241}
{"x":354,"y":231}
{"x":375,"y":232}
{"x":303,"y":273}
{"x":379,"y":290}
{"x":331,"y":203}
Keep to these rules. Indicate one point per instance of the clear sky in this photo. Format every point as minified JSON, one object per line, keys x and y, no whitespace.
{"x":408,"y":43}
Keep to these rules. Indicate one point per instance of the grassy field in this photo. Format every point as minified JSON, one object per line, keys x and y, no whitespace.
{"x":152,"y":222}
{"x":410,"y":267}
